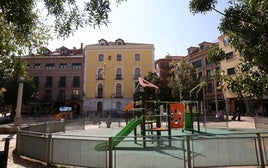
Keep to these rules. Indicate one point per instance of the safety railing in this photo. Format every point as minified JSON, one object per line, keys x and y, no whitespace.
{"x":161,"y":151}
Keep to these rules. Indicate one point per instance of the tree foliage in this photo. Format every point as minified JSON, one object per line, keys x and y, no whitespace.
{"x":249,"y":81}
{"x":183,"y":82}
{"x":23,"y":30}
{"x":215,"y":55}
{"x":245,"y":23}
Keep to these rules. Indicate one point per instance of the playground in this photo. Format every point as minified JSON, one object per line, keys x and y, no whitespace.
{"x":129,"y":151}
{"x":156,"y":135}
{"x":121,"y":146}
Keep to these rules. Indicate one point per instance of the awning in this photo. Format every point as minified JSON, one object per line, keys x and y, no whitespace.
{"x":129,"y":106}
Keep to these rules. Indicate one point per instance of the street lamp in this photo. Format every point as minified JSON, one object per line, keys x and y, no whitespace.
{"x":17,"y":120}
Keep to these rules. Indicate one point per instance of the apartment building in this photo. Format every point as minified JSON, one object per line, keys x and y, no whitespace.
{"x":165,"y":65}
{"x":111,"y":70}
{"x":59,"y":78}
{"x":197,"y":56}
{"x":228,"y":65}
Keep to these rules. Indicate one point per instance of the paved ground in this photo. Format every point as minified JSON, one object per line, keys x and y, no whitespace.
{"x":16,"y":162}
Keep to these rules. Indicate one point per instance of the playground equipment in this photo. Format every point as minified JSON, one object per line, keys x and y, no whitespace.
{"x":121,"y":135}
{"x":150,"y":115}
{"x":174,"y":115}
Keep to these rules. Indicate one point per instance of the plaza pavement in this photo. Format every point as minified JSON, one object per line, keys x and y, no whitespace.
{"x":17,"y":162}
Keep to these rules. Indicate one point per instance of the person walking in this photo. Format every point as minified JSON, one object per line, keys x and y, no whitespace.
{"x":237,"y":114}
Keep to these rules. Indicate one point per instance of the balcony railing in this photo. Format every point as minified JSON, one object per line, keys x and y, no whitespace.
{"x":75,"y":96}
{"x":99,"y":77}
{"x":99,"y":95}
{"x":136,"y":76}
{"x":118,"y":95}
{"x":118,"y":77}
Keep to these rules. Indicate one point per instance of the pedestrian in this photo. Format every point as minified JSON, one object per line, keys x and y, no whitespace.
{"x":220,"y":115}
{"x":237,"y":114}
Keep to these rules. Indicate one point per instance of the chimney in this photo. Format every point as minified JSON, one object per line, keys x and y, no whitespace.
{"x":82,"y":46}
{"x":74,"y":50}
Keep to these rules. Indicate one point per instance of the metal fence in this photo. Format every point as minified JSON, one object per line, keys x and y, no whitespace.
{"x":160,"y":151}
{"x":261,"y":122}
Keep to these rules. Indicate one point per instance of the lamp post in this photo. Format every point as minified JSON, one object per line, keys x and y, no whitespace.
{"x":17,"y":120}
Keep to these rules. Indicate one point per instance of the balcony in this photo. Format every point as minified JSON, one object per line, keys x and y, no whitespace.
{"x":136,"y":76}
{"x":75,"y":96}
{"x":118,"y":77}
{"x":61,"y":97}
{"x":99,"y":95}
{"x":99,"y":77}
{"x":118,"y":95}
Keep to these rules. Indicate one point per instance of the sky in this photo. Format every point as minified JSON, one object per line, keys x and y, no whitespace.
{"x":167,"y":24}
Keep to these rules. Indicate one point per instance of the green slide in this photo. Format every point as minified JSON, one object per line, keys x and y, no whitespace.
{"x":120,"y":135}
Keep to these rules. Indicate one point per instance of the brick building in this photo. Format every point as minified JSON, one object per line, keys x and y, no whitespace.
{"x":59,"y":78}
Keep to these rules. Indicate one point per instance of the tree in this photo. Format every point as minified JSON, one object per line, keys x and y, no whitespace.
{"x":246,"y":25}
{"x":183,"y":82}
{"x":164,"y":92}
{"x":23,"y":30}
{"x":249,"y":82}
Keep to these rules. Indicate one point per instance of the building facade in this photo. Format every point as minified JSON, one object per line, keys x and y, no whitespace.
{"x":228,"y":66}
{"x":59,"y":78}
{"x":165,"y":65}
{"x":111,"y":70}
{"x":213,"y":97}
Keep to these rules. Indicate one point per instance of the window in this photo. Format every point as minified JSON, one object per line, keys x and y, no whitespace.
{"x":197,"y":64}
{"x":137,"y":73}
{"x":199,"y":74}
{"x":101,"y":57}
{"x":37,"y":66}
{"x":202,"y":47}
{"x":229,"y":55}
{"x":119,"y":57}
{"x":208,"y":74}
{"x":100,"y":74}
{"x":137,"y":57}
{"x":61,"y":95}
{"x":63,"y":65}
{"x":64,"y":51}
{"x":118,"y":74}
{"x":62,"y":81}
{"x":49,"y":81}
{"x":76,"y":65}
{"x":50,"y":66}
{"x":47,"y":95}
{"x":103,"y":42}
{"x":75,"y":94}
{"x":226,"y":41}
{"x":207,"y":62}
{"x":230,"y":71}
{"x":118,"y":90}
{"x":119,"y":41}
{"x":209,"y":88}
{"x":36,"y":81}
{"x":76,"y":81}
{"x":100,"y":91}
{"x":118,"y":105}
{"x":109,"y":57}
{"x":44,"y":51}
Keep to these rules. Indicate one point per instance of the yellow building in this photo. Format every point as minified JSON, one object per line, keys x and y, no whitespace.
{"x":111,"y":70}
